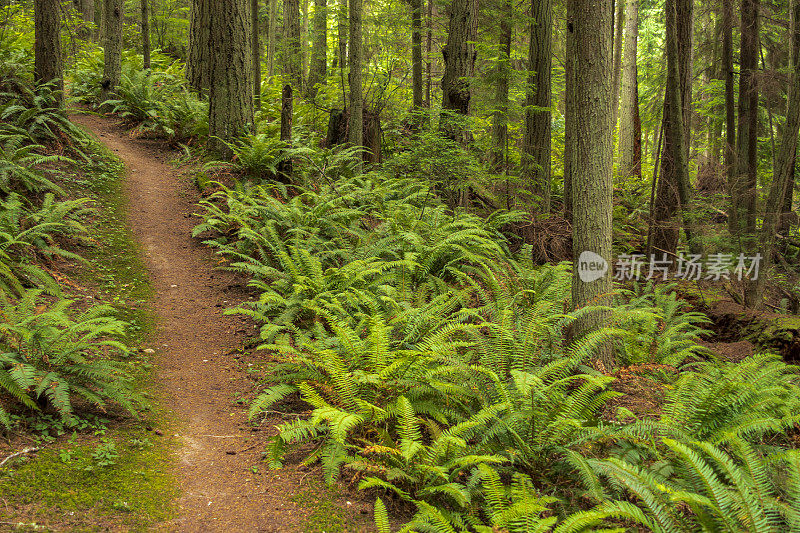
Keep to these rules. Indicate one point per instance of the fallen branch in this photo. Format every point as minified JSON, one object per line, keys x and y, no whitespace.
{"x":17,"y":454}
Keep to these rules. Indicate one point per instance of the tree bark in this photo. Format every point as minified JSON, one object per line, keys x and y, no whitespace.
{"x":198,"y":61}
{"x":589,"y":29}
{"x":292,"y":50}
{"x":113,"y":11}
{"x":503,"y":73}
{"x":271,"y":37}
{"x":536,"y":162}
{"x":730,"y":116}
{"x":318,"y":71}
{"x":743,"y":192}
{"x":48,"y":63}
{"x":570,"y":130}
{"x":255,"y":9}
{"x":784,"y":170}
{"x":86,"y":10}
{"x":145,"y":34}
{"x":617,"y":66}
{"x":342,"y":28}
{"x":459,"y":65}
{"x":668,"y":202}
{"x":356,"y":123}
{"x":630,"y":131}
{"x":416,"y":58}
{"x":428,"y":57}
{"x":230,"y":95}
{"x":304,"y":55}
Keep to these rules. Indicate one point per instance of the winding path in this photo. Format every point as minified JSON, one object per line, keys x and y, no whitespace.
{"x":195,"y":370}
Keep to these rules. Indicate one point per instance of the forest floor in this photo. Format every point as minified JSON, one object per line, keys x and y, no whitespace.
{"x":201,"y":374}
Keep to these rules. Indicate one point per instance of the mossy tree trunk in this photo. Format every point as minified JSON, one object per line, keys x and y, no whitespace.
{"x":459,"y":65}
{"x":255,"y":10}
{"x":730,"y":115}
{"x":355,"y":127}
{"x":198,"y":61}
{"x":416,"y":59}
{"x":502,"y":82}
{"x":537,"y":140}
{"x":616,"y":68}
{"x":741,"y":218}
{"x":318,"y":70}
{"x":230,"y":80}
{"x":48,"y":63}
{"x":589,"y":29}
{"x":292,"y":57}
{"x":113,"y":13}
{"x":630,"y":130}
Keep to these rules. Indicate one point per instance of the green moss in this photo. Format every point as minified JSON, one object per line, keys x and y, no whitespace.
{"x":66,"y":485}
{"x":325,"y":516}
{"x":69,"y":482}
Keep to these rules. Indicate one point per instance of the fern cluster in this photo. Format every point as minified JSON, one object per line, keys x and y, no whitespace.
{"x":438,"y":365}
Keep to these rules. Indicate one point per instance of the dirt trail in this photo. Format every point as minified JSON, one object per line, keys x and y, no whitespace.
{"x":197,"y":378}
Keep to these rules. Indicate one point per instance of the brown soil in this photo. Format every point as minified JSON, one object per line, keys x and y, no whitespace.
{"x":198,"y":377}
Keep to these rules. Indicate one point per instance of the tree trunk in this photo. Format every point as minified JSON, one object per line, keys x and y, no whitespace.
{"x":617,"y":66}
{"x":145,"y":34}
{"x":630,"y":132}
{"x":199,"y":55}
{"x":356,"y":123}
{"x":416,"y":58}
{"x":730,"y":117}
{"x":304,"y":41}
{"x":86,"y":10}
{"x":459,"y":65}
{"x":428,"y":58}
{"x":230,"y":95}
{"x":784,"y":169}
{"x":285,"y":167}
{"x":255,"y":9}
{"x":271,"y":37}
{"x":537,"y":139}
{"x":667,"y":202}
{"x":113,"y":11}
{"x":503,"y":74}
{"x":291,"y":49}
{"x":48,"y":63}
{"x":570,"y":129}
{"x":589,"y":29}
{"x":743,"y":192}
{"x":342,"y":28}
{"x":318,"y":71}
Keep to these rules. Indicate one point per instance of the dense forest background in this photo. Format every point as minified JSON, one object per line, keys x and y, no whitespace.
{"x":505,"y":254}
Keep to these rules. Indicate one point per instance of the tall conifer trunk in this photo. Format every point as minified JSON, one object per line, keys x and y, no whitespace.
{"x":537,"y":140}
{"x":416,"y":57}
{"x":145,"y":33}
{"x":503,"y":73}
{"x":743,"y":191}
{"x":48,"y":64}
{"x":459,"y":65}
{"x":113,"y":11}
{"x":630,"y":131}
{"x":589,"y":29}
{"x":230,"y":81}
{"x":198,"y":61}
{"x":318,"y":71}
{"x":355,"y":126}
{"x":256,"y":51}
{"x":666,"y":225}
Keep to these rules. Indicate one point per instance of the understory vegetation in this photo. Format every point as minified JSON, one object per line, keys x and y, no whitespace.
{"x":69,"y":371}
{"x":426,"y":346}
{"x":436,"y":361}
